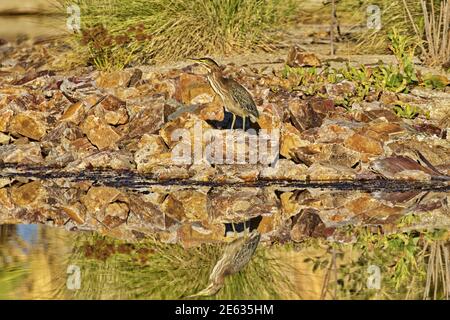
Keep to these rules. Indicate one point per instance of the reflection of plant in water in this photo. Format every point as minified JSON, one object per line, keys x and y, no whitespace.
{"x":12,"y":267}
{"x":112,"y":269}
{"x":412,"y":264}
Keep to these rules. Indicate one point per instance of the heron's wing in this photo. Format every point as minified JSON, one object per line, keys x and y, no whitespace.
{"x":242,"y":97}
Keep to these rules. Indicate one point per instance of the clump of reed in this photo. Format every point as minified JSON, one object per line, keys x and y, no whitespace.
{"x":118,"y":33}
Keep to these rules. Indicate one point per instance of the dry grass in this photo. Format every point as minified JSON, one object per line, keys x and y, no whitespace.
{"x":144,"y":31}
{"x":438,"y":271}
{"x":435,"y":30}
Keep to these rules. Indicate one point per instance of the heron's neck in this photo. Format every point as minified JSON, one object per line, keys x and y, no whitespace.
{"x":214,"y":79}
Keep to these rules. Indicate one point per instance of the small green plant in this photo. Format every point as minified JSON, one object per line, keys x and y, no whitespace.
{"x":433,"y":81}
{"x":407,"y":111}
{"x":403,"y":49}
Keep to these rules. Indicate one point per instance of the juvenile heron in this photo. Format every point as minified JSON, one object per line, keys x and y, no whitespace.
{"x":235,"y":97}
{"x":235,"y":257}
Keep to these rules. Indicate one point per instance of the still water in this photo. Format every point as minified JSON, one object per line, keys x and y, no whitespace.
{"x":410,"y":261}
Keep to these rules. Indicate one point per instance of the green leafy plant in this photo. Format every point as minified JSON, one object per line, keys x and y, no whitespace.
{"x":433,"y":81}
{"x":407,"y":111}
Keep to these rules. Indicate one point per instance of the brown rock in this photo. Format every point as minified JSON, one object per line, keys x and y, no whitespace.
{"x":75,"y":113}
{"x":4,"y":138}
{"x":303,"y":115}
{"x":151,"y":146}
{"x":5,"y":117}
{"x":190,"y":235}
{"x":97,"y":198}
{"x":338,"y":91}
{"x":99,"y":133}
{"x":289,"y":204}
{"x":290,"y":140}
{"x":298,"y":58}
{"x":117,"y":209}
{"x":228,"y":204}
{"x":335,"y":131}
{"x":29,"y":125}
{"x":186,"y":205}
{"x":329,"y":172}
{"x":271,"y":117}
{"x":21,"y":153}
{"x":332,"y":153}
{"x":82,"y":145}
{"x":76,"y":212}
{"x":307,"y":224}
{"x":28,"y":195}
{"x":237,"y":172}
{"x":284,"y":169}
{"x":147,"y":217}
{"x":364,"y":144}
{"x":148,"y":120}
{"x":114,"y":79}
{"x":212,"y":111}
{"x":190,"y":87}
{"x":5,"y":200}
{"x":368,"y":206}
{"x":116,"y":160}
{"x":238,"y":147}
{"x":401,"y":167}
{"x":112,"y":110}
{"x":187,"y":121}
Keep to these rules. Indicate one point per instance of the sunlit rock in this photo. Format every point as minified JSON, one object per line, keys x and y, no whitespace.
{"x":27,"y":153}
{"x":190,"y":205}
{"x":290,"y":141}
{"x":284,"y":170}
{"x":28,"y":124}
{"x":28,"y":195}
{"x":330,"y":172}
{"x":297,"y":57}
{"x":229,"y":204}
{"x":113,"y":79}
{"x":99,"y":133}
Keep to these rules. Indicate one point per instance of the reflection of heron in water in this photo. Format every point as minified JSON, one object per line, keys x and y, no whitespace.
{"x":235,"y":257}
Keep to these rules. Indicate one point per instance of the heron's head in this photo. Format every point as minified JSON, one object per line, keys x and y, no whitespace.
{"x":208,"y":63}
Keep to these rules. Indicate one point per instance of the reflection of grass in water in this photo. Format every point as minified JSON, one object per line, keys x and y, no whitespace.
{"x":413,"y":265}
{"x":111,"y":269}
{"x":10,"y":278}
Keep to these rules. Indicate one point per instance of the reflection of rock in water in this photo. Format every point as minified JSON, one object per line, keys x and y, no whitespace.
{"x":235,"y":257}
{"x":132,"y":207}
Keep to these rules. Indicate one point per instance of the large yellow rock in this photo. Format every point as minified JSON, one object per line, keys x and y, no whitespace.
{"x":28,"y":195}
{"x":29,"y":125}
{"x":99,"y":133}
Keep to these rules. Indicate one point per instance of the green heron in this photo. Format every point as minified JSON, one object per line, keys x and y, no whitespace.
{"x":235,"y":97}
{"x":235,"y":257}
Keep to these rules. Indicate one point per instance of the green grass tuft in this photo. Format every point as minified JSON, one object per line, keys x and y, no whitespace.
{"x":118,"y":33}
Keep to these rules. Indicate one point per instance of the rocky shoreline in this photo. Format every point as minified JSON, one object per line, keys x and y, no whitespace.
{"x":86,"y":123}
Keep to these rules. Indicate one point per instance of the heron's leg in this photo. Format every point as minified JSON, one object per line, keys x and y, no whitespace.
{"x":234,"y":120}
{"x":243,"y":121}
{"x":234,"y":230}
